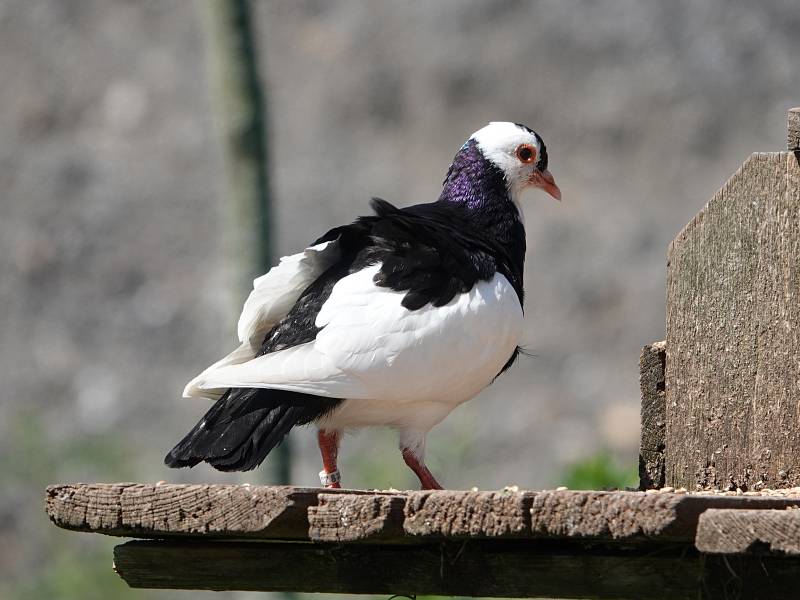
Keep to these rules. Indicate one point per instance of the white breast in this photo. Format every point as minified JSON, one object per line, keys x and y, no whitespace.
{"x":419,"y":364}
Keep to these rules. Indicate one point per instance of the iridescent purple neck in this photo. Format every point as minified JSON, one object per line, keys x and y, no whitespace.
{"x":479,"y":188}
{"x":473,"y":181}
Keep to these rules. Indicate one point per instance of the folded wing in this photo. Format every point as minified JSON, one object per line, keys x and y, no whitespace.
{"x":273,"y":295}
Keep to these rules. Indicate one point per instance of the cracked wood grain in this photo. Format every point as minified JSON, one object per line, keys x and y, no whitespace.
{"x":349,"y":518}
{"x":146,"y":510}
{"x":568,"y":514}
{"x":621,"y":516}
{"x":467,"y":514}
{"x":282,"y":512}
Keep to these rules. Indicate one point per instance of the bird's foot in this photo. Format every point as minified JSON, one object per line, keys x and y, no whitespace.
{"x":328,"y":441}
{"x":426,"y":479}
{"x":432,"y":484}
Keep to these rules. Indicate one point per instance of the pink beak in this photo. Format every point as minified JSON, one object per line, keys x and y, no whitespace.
{"x":544,"y":180}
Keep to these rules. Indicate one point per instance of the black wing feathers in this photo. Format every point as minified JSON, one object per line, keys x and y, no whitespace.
{"x":433,"y":252}
{"x":243,"y":426}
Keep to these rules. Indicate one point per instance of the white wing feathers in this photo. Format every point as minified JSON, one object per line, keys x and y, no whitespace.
{"x":371,"y":347}
{"x":272,"y":297}
{"x":194,"y":388}
{"x":275,"y":293}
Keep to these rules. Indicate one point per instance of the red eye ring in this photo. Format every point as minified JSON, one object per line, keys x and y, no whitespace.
{"x":525,"y":153}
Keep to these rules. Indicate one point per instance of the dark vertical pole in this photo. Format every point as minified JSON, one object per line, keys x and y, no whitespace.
{"x":238,"y":102}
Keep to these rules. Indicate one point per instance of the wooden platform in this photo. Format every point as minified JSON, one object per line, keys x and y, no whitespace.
{"x":566,"y":544}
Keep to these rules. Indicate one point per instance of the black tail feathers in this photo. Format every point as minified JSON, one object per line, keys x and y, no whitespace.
{"x":243,"y":426}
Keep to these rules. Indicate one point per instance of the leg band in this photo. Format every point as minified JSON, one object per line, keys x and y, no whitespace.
{"x":329,"y":478}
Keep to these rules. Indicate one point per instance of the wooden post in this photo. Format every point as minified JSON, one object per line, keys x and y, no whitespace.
{"x":733,"y":333}
{"x":239,"y":107}
{"x":238,"y":103}
{"x":653,"y":416}
{"x":794,"y":130}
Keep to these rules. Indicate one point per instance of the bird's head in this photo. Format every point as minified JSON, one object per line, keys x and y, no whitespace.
{"x":520,"y":154}
{"x":496,"y":164}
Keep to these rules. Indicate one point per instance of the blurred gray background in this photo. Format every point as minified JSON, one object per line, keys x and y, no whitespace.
{"x":112,"y":279}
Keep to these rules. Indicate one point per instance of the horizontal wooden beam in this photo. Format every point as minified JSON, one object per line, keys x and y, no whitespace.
{"x":508,"y":568}
{"x":150,"y":510}
{"x":562,"y":514}
{"x":283,"y":512}
{"x":740,"y":531}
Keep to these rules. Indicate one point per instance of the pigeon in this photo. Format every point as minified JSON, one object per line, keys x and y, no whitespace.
{"x":393,"y":320}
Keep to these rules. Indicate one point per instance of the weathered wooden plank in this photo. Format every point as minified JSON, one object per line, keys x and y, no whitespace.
{"x":349,"y":518}
{"x":562,"y":514}
{"x":569,"y":514}
{"x":510,"y":568}
{"x":793,"y":138}
{"x":449,"y":513}
{"x":740,"y":531}
{"x":733,"y":340}
{"x":615,"y":515}
{"x":241,"y":511}
{"x":653,"y":416}
{"x":147,"y":510}
{"x":464,"y":569}
{"x":631,"y":516}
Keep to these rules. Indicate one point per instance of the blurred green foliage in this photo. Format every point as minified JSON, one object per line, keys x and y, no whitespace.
{"x":599,"y":472}
{"x":53,"y":563}
{"x":75,"y":569}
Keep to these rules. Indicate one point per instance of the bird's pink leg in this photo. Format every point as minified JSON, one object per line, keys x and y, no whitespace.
{"x":329,"y":448}
{"x":426,"y":479}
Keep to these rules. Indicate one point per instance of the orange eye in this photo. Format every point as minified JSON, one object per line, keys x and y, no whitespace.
{"x":526,"y":153}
